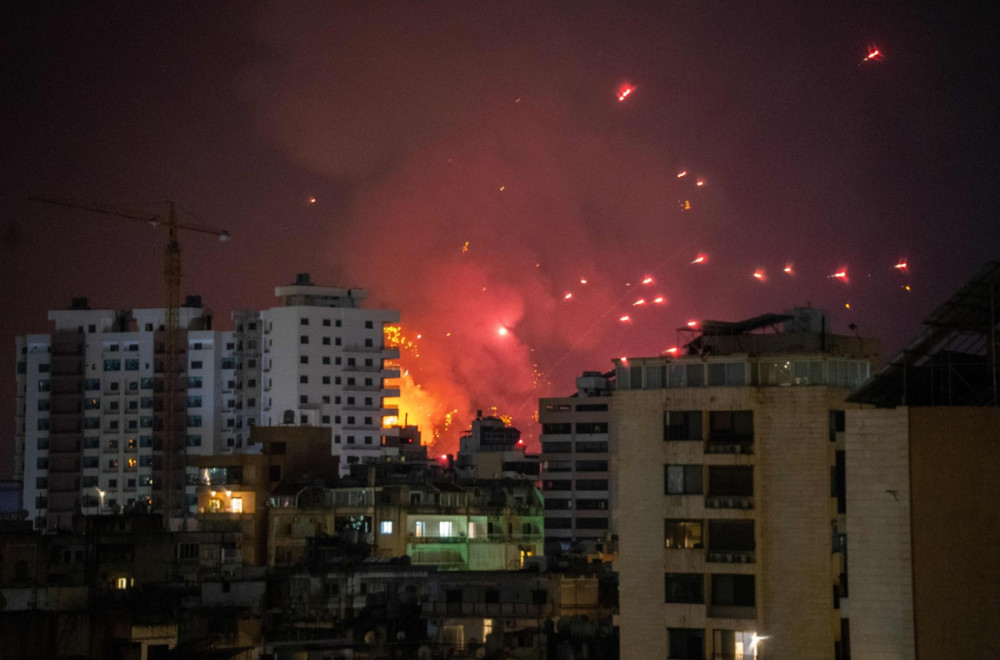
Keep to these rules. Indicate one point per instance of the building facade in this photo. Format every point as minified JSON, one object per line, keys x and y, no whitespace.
{"x":90,"y":409}
{"x":922,"y":521}
{"x":576,"y":474}
{"x":90,"y":396}
{"x":729,"y":495}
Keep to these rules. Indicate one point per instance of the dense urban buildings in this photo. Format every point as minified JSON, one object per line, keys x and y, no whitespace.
{"x":90,"y":395}
{"x":730,"y":462}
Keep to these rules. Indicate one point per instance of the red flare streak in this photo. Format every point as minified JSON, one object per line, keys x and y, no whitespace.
{"x":700,"y":259}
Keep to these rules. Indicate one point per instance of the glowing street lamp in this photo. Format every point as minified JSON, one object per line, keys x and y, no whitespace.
{"x":100,"y":494}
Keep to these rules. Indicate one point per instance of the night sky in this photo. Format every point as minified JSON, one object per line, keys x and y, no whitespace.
{"x":471,"y":163}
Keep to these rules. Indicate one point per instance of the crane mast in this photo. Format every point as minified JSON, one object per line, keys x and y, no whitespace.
{"x":170,"y":481}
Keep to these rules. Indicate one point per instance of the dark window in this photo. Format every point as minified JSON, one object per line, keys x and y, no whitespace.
{"x":682,"y":425}
{"x":730,"y":480}
{"x":591,"y":484}
{"x":557,"y":447}
{"x":592,"y":523}
{"x":587,"y":505}
{"x":557,"y":427}
{"x":730,"y":535}
{"x":591,"y":407}
{"x":592,"y":427}
{"x":733,"y":590}
{"x":558,"y":523}
{"x":686,"y":643}
{"x":682,"y":479}
{"x":592,"y":446}
{"x":731,"y":425}
{"x":592,"y":466}
{"x":557,"y":484}
{"x":685,"y":588}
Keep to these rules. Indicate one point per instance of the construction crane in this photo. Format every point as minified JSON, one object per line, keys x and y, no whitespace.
{"x":172,"y":278}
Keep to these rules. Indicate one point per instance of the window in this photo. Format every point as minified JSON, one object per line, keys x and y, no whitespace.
{"x":418,"y":529}
{"x":445,"y":528}
{"x":685,"y":588}
{"x":557,"y":447}
{"x":587,"y":505}
{"x":729,"y":374}
{"x":682,"y":479}
{"x":303,"y":359}
{"x":112,"y":463}
{"x":592,"y":446}
{"x":304,"y":339}
{"x":326,"y":341}
{"x":682,"y":534}
{"x":730,"y":480}
{"x":131,"y":365}
{"x":326,"y":323}
{"x":188,"y":551}
{"x":196,"y":364}
{"x":326,"y":359}
{"x":592,"y":466}
{"x":591,"y":484}
{"x":686,"y":643}
{"x":303,"y":398}
{"x":595,"y":427}
{"x":112,"y":365}
{"x":303,"y":321}
{"x":682,"y":425}
{"x":385,"y":527}
{"x":368,"y":343}
{"x":731,"y":425}
{"x":369,"y":324}
{"x":304,"y":380}
{"x":731,"y":536}
{"x":592,"y":523}
{"x":43,"y":385}
{"x":733,"y":590}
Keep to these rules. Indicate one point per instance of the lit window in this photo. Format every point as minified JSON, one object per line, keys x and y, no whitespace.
{"x":445,"y":528}
{"x":385,"y":527}
{"x":237,"y":506}
{"x":418,"y":530}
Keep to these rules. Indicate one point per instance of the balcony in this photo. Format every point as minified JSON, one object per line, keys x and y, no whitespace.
{"x":729,"y":502}
{"x":731,"y":612}
{"x":729,"y":446}
{"x":732,"y":556}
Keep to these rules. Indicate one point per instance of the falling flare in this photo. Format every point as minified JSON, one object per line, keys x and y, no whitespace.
{"x":700,"y":259}
{"x":648,"y":280}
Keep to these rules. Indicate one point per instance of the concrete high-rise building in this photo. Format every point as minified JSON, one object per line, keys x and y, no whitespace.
{"x":320,"y":359}
{"x":730,"y":492}
{"x":576,"y":475}
{"x":922,"y":522}
{"x":90,"y":408}
{"x":90,"y":399}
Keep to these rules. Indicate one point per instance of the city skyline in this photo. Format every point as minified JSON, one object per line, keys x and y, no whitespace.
{"x":470,"y":167}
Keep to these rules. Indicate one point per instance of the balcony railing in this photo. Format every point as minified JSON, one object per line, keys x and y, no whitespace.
{"x":732,"y":556}
{"x":729,"y":501}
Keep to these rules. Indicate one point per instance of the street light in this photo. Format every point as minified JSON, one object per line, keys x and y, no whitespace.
{"x":100,"y":493}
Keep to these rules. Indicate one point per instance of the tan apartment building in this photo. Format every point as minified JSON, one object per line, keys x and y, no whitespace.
{"x":922,"y":466}
{"x":728,"y":491}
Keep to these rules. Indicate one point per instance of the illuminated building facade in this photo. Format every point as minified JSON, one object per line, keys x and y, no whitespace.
{"x":90,"y":399}
{"x":319,"y":359}
{"x":576,"y":475}
{"x":729,"y":506}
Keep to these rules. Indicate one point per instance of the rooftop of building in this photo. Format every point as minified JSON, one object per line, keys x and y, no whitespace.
{"x":953,"y":361}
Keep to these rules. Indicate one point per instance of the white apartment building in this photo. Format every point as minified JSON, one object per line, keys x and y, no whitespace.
{"x":576,"y":474}
{"x":90,"y":394}
{"x":730,"y":492}
{"x":89,"y":413}
{"x":319,"y":359}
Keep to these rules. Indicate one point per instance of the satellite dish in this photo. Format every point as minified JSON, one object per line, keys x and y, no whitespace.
{"x":370,"y":637}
